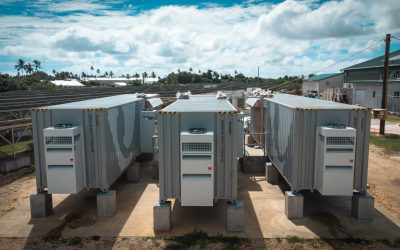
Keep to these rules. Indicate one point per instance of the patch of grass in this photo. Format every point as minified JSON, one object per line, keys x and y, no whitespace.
{"x":393,"y":118}
{"x":201,"y":239}
{"x":75,"y":241}
{"x":389,"y":142}
{"x":21,"y":146}
{"x":96,"y":238}
{"x":295,"y":239}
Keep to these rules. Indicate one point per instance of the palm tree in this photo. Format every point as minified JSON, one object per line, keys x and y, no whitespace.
{"x":153,"y":75}
{"x":98,"y":72}
{"x":106,"y":74}
{"x":137,"y":75}
{"x":111,"y":74}
{"x":235,"y":72}
{"x":144,"y":75}
{"x":127,"y":76}
{"x":28,"y":68}
{"x":20,"y":65}
{"x":92,"y":68}
{"x":54,"y":72}
{"x":190,"y":69}
{"x":37,"y":65}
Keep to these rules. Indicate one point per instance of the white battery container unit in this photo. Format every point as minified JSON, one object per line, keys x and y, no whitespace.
{"x":64,"y":160}
{"x":197,"y":175}
{"x":335,"y":156}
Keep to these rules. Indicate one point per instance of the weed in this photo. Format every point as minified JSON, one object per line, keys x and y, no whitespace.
{"x":201,"y":238}
{"x":75,"y":241}
{"x":96,"y":237}
{"x":295,"y":239}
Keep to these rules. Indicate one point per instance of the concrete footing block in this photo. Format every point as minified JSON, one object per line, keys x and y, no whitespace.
{"x":133,"y":172}
{"x":235,"y":217}
{"x":362,"y":206}
{"x":294,"y":204}
{"x":162,"y":216}
{"x":106,"y":204}
{"x":271,"y":173}
{"x":7,"y":166}
{"x":41,"y":204}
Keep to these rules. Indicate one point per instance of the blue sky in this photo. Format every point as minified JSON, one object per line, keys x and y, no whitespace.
{"x":282,"y":37}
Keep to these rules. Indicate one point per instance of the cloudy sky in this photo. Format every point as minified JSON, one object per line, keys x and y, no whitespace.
{"x":282,"y":37}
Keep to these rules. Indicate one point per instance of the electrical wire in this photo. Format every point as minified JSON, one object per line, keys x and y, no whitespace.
{"x":351,"y":55}
{"x":395,"y":38}
{"x":331,"y":65}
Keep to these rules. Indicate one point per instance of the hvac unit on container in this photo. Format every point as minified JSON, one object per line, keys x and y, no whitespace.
{"x":318,"y":145}
{"x":88,"y":145}
{"x":200,"y":140}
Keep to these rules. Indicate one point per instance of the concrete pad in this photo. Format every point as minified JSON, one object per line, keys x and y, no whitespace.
{"x":362,"y":206}
{"x":264,"y":215}
{"x":41,"y":205}
{"x":133,"y":172}
{"x":271,"y":174}
{"x":106,"y":204}
{"x":162,"y":216}
{"x":235,"y":217}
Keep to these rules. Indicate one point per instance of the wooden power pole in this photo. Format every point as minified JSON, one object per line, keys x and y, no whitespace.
{"x":384,"y":84}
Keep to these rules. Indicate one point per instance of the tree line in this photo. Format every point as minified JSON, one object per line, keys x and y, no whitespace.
{"x":29,"y":76}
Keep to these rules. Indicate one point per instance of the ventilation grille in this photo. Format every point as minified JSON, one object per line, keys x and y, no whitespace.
{"x":340,"y":140}
{"x":58,"y":140}
{"x":196,"y":146}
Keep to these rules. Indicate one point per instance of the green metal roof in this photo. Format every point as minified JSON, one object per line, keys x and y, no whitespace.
{"x":394,"y":59}
{"x":322,"y":76}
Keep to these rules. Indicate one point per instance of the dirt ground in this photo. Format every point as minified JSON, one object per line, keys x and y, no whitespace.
{"x":158,"y":243}
{"x":384,"y":181}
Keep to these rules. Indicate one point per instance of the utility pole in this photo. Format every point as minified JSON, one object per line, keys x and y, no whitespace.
{"x":384,"y":84}
{"x":258,"y":76}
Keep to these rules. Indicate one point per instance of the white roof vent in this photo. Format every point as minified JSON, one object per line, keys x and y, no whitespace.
{"x":183,"y":95}
{"x":262,"y":93}
{"x":221,"y":95}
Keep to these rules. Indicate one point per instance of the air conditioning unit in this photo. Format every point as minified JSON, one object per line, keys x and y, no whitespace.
{"x":197,"y":172}
{"x":334,"y":163}
{"x":64,"y":159}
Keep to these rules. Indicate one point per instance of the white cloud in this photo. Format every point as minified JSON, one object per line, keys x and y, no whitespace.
{"x":294,"y":37}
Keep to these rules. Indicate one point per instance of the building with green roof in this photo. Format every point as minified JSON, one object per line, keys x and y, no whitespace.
{"x":318,"y":84}
{"x":366,"y":79}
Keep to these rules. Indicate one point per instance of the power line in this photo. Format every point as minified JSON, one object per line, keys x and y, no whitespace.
{"x":351,"y":55}
{"x":395,"y":38}
{"x":333,"y":64}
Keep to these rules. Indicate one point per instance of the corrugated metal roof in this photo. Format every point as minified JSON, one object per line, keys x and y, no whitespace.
{"x":394,"y":59}
{"x":67,"y":83}
{"x":155,"y":102}
{"x":105,"y":102}
{"x":251,"y":101}
{"x":200,"y":103}
{"x":322,"y":76}
{"x":294,"y":101}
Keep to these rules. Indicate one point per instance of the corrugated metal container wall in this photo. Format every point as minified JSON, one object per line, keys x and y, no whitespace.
{"x":111,"y":136}
{"x":257,"y":123}
{"x":291,"y":137}
{"x":228,"y":147}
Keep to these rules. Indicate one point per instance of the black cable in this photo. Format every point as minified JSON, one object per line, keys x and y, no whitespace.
{"x":395,"y":38}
